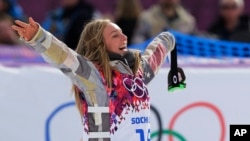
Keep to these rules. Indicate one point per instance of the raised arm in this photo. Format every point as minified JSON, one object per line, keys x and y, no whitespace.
{"x":56,"y":52}
{"x":155,"y":54}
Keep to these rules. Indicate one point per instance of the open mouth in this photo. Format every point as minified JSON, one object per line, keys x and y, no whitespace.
{"x":124,"y":48}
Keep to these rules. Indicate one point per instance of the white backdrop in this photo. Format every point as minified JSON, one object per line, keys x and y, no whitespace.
{"x":29,"y":95}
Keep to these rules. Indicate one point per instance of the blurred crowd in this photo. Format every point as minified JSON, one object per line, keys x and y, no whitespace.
{"x":137,"y":22}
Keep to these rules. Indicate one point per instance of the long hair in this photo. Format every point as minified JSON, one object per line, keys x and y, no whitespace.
{"x":92,"y":46}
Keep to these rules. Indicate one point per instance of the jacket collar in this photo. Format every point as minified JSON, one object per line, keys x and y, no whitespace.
{"x":128,"y":58}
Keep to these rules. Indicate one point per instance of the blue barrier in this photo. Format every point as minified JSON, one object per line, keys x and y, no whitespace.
{"x":188,"y":45}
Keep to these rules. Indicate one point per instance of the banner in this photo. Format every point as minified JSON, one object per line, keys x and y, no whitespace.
{"x":37,"y":104}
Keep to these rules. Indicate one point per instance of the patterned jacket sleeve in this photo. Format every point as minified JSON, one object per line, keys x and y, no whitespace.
{"x":82,"y":72}
{"x":155,"y":54}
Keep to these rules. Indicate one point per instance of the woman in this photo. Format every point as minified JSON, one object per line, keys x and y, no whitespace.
{"x":110,"y":80}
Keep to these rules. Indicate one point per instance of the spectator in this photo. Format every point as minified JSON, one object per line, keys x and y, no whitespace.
{"x":166,"y":14}
{"x":67,"y":22}
{"x":7,"y":35}
{"x":126,"y":16}
{"x":232,"y":24}
{"x":11,"y":8}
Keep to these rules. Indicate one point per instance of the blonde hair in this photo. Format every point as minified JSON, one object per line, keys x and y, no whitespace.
{"x":92,"y":46}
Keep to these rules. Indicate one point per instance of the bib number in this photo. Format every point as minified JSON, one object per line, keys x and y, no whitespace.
{"x":142,"y":134}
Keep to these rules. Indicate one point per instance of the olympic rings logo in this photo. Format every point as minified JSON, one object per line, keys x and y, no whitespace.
{"x":160,"y":131}
{"x":136,"y":86}
{"x":173,"y":133}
